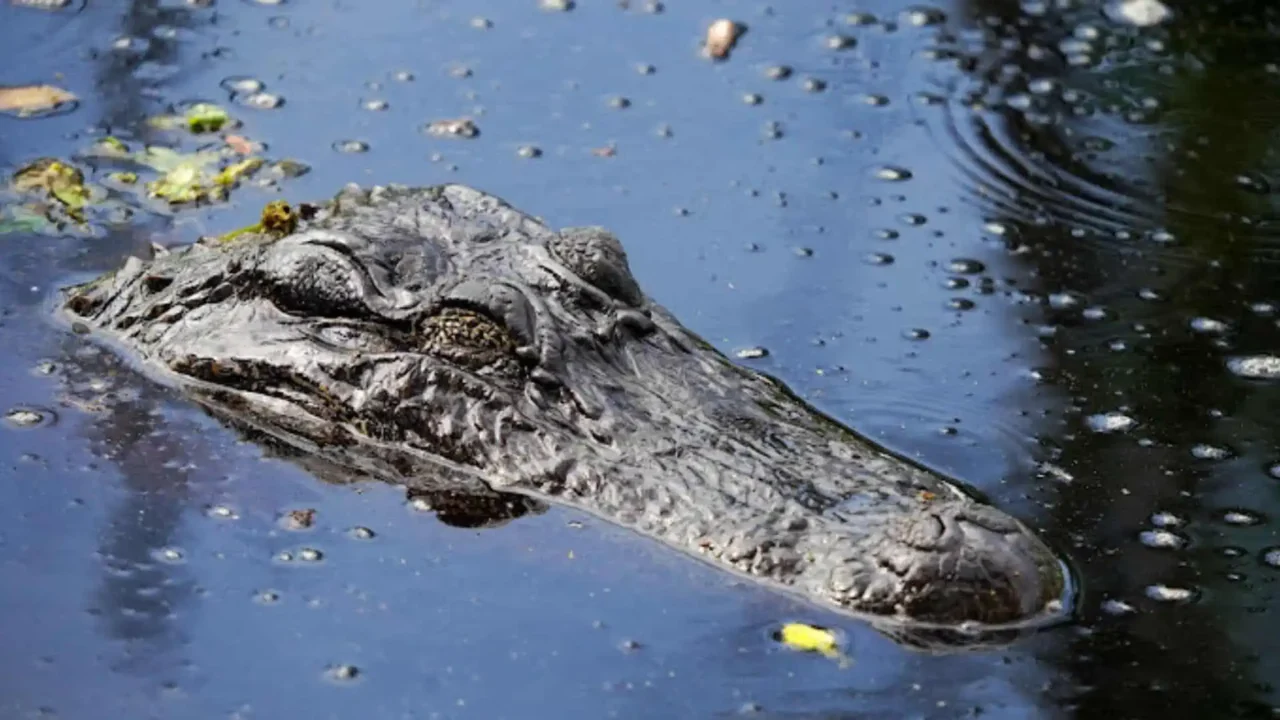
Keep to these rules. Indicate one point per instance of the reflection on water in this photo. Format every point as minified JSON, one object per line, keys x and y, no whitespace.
{"x":1130,"y":170}
{"x":1017,"y":241}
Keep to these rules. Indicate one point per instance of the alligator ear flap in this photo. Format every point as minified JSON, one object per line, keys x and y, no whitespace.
{"x":595,"y":255}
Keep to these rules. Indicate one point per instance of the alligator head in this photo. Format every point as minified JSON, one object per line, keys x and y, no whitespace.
{"x":440,"y":338}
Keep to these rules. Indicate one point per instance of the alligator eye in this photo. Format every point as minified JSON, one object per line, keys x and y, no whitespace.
{"x":467,"y":338}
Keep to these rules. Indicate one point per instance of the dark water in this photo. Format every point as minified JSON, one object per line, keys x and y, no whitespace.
{"x":1024,"y":244}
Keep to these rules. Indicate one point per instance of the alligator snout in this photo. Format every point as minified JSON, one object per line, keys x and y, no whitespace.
{"x":956,"y":562}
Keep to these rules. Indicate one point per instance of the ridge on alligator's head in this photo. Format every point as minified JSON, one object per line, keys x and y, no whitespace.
{"x":440,"y":338}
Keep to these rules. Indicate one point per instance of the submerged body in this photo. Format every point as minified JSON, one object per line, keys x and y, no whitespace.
{"x":439,"y":338}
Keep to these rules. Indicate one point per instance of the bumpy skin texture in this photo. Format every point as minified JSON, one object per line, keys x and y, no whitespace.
{"x":440,"y":338}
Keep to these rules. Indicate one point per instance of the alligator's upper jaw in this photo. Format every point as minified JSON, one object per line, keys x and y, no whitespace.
{"x":954,"y":564}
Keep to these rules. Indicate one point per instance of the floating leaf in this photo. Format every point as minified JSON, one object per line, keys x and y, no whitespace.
{"x":242,"y":145}
{"x":232,"y":174}
{"x":29,"y":100}
{"x":22,"y":219}
{"x":55,"y":178}
{"x":206,"y":117}
{"x":809,"y":638}
{"x":110,"y":147}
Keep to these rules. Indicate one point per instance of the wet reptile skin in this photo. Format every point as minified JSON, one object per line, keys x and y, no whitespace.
{"x":439,"y":338}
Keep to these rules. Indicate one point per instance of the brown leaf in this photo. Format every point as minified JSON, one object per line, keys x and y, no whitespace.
{"x":29,"y":99}
{"x":242,"y":145}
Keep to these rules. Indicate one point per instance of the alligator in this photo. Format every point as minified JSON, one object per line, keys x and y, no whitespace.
{"x":440,"y":338}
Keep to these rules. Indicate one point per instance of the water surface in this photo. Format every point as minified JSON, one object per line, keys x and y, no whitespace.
{"x":1020,"y":243}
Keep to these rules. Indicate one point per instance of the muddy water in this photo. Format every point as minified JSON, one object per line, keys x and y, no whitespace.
{"x":1033,"y":246}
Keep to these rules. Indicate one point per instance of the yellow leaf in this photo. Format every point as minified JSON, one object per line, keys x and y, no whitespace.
{"x":61,"y":181}
{"x":809,"y":638}
{"x":232,"y":174}
{"x":30,"y":99}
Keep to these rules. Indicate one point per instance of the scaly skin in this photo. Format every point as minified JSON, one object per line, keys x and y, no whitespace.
{"x":440,"y":338}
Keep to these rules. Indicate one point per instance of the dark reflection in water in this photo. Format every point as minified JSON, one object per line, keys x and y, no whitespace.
{"x":144,"y":585}
{"x":1135,"y":185}
{"x":146,"y":57}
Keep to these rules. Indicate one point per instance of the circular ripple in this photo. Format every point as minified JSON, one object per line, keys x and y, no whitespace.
{"x":1108,"y":161}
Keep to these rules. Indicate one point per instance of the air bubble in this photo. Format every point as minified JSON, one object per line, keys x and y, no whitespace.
{"x":1170,"y":594}
{"x":169,"y":556}
{"x":310,"y":555}
{"x":965,"y":266}
{"x":1118,"y":608}
{"x":1208,"y":326}
{"x":260,"y":100}
{"x":1256,"y":367}
{"x":1210,"y":452}
{"x":892,"y":174}
{"x":221,"y":512}
{"x":1110,"y":422}
{"x":342,"y":673}
{"x":1241,"y":518}
{"x":30,"y":417}
{"x":1271,"y":557}
{"x":1166,"y":520}
{"x":1162,"y":539}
